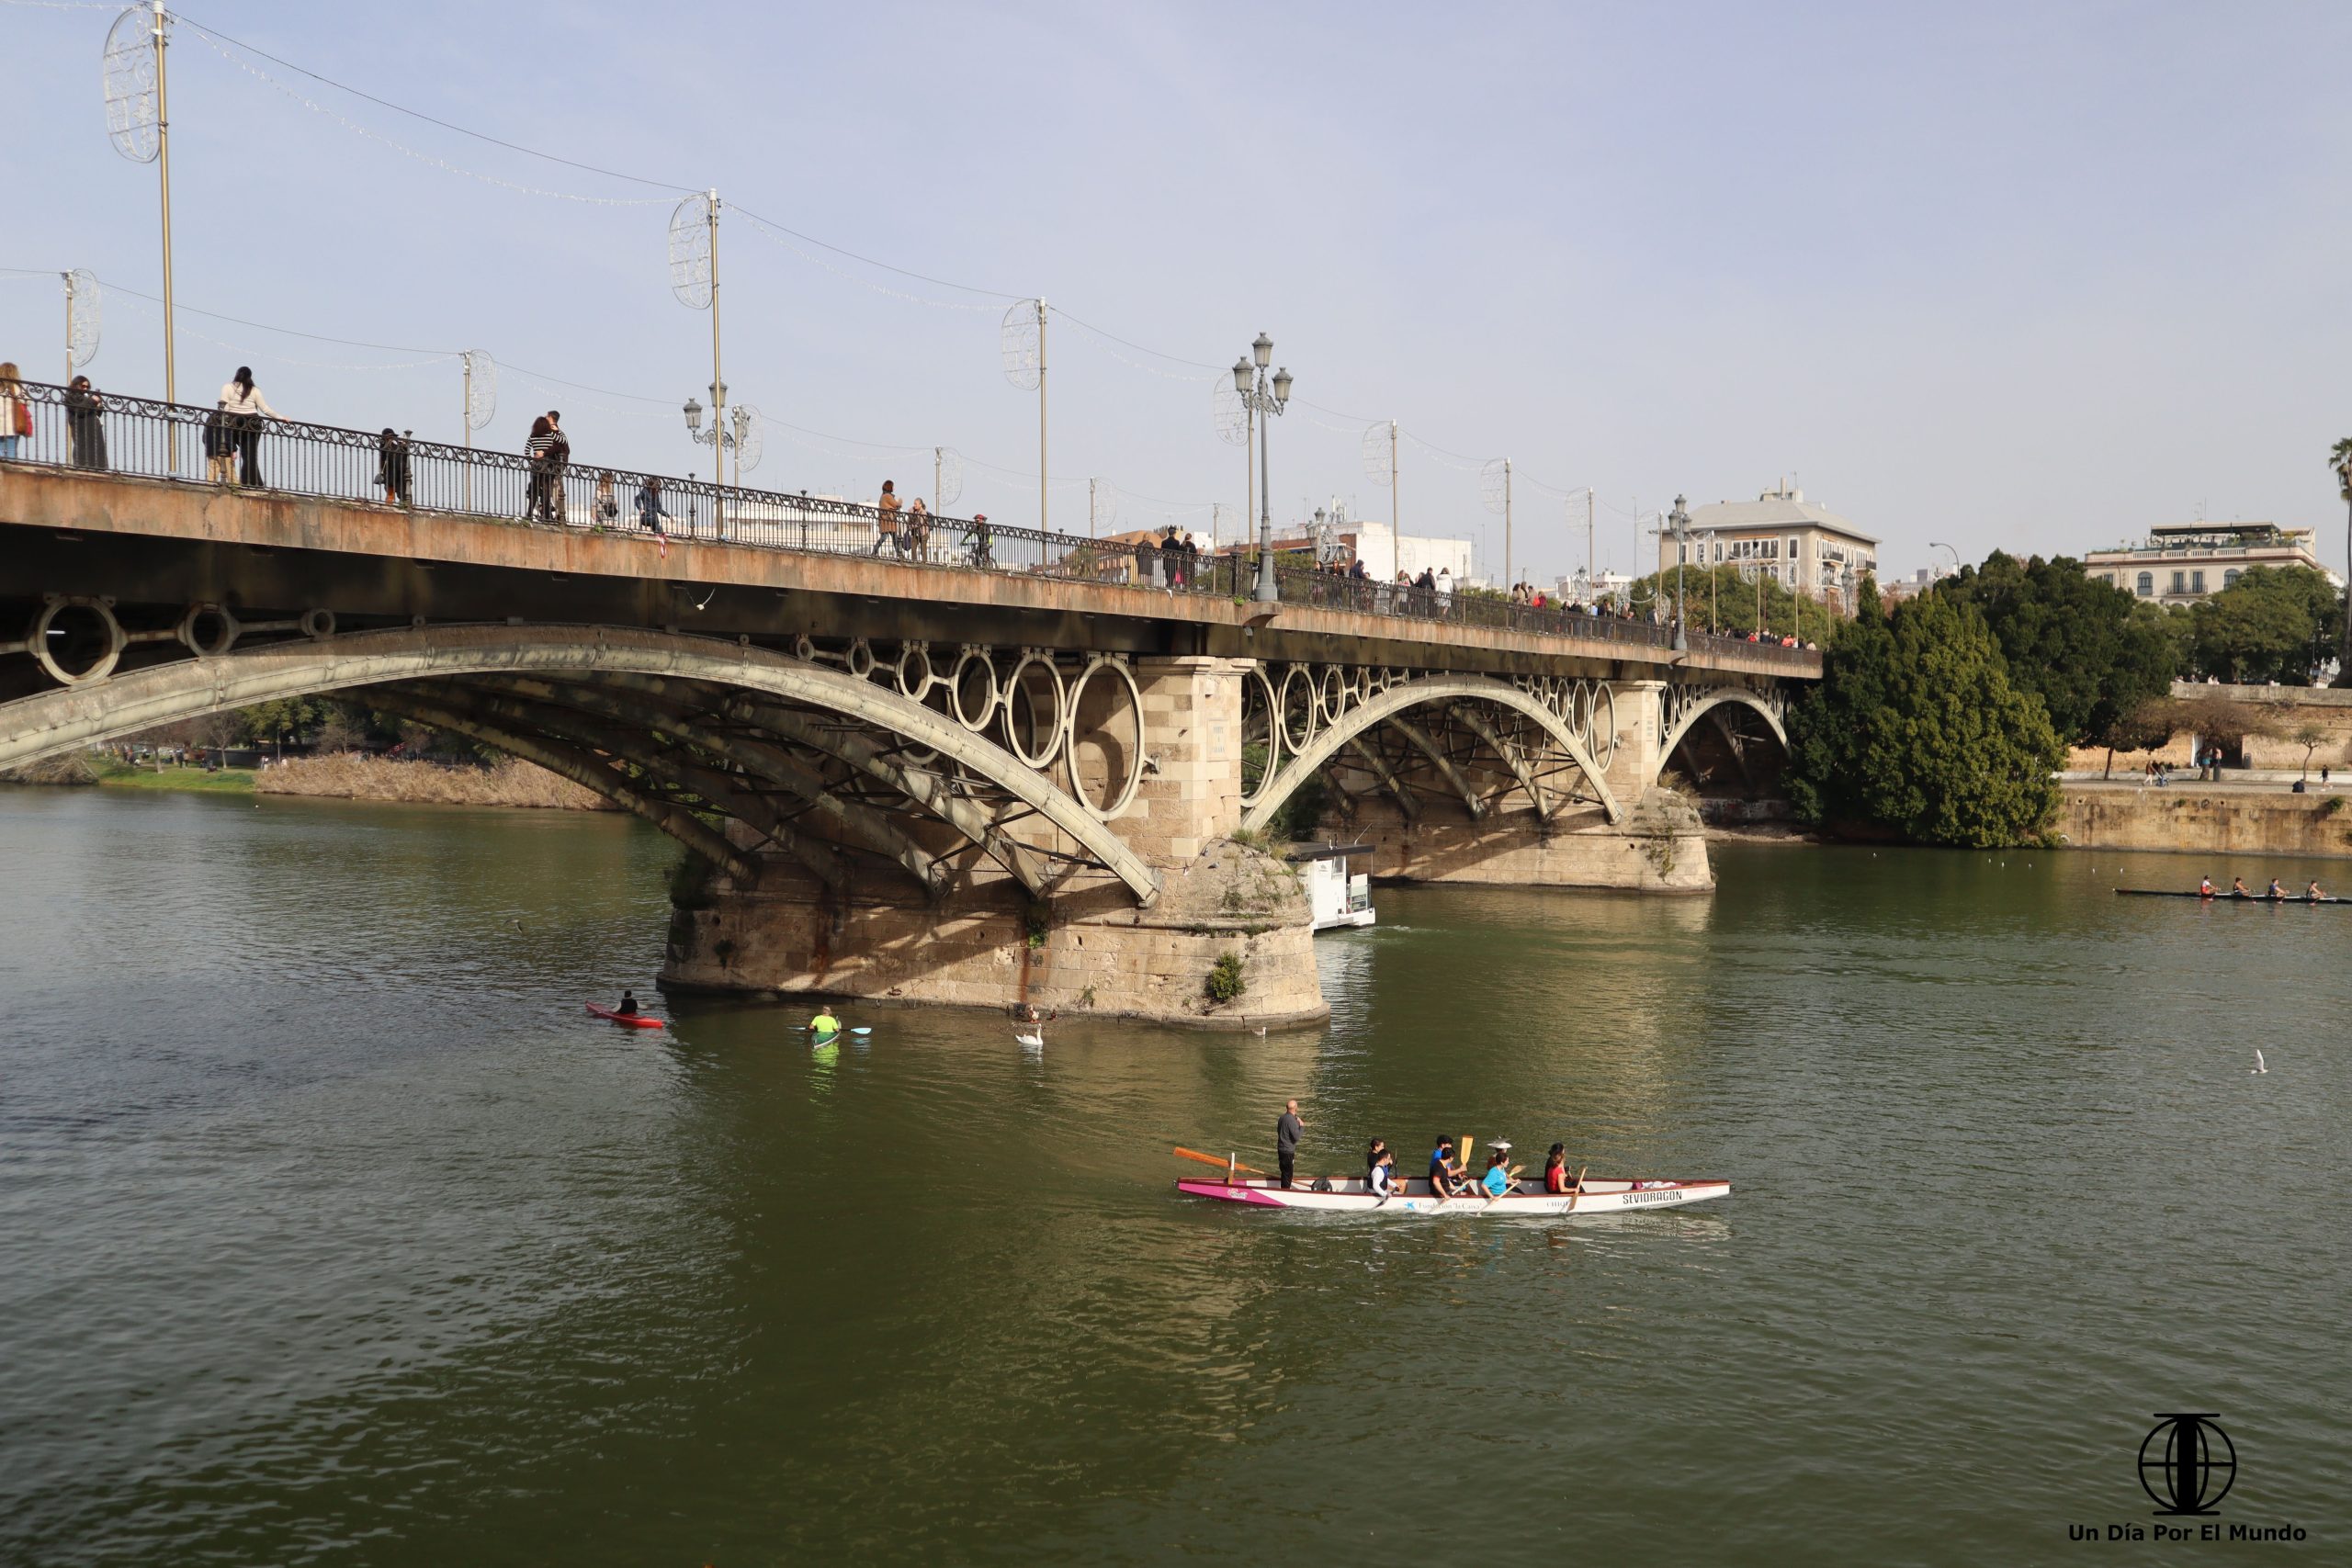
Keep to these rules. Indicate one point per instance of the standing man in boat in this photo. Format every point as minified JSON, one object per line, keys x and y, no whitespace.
{"x":1287,"y":1128}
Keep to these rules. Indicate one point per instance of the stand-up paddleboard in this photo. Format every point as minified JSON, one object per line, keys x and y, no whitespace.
{"x":634,"y":1020}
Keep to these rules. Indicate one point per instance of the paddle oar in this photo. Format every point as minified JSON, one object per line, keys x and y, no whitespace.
{"x":1578,"y":1192}
{"x":1212,"y":1159}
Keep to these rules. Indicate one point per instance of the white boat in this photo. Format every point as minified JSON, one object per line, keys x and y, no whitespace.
{"x":1352,"y":1196}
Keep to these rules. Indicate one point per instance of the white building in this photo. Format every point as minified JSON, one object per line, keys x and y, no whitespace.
{"x":2183,"y":562}
{"x":1384,"y":552}
{"x":1605,"y":584}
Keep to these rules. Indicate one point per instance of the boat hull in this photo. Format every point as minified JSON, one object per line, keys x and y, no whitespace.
{"x":1352,"y":1197}
{"x":629,"y":1019}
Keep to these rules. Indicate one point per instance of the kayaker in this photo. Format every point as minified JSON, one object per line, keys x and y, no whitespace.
{"x":1498,"y":1180}
{"x":1380,"y":1169}
{"x":824,"y":1025}
{"x":628,"y":1004}
{"x":1287,"y":1131}
{"x":1446,"y":1177}
{"x":1555,"y":1170}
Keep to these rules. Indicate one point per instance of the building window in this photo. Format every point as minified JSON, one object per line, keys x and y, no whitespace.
{"x":1796,"y":548}
{"x":2229,"y":577}
{"x":2147,"y":584}
{"x":2197,"y":582}
{"x":2180,"y":582}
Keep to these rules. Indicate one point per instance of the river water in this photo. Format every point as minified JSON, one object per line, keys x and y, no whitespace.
{"x":332,"y":1231}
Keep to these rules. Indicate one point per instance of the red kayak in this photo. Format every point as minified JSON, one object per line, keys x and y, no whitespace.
{"x":634,"y":1020}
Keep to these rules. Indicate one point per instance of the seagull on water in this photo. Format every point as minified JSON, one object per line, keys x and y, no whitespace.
{"x":2258,"y":1067}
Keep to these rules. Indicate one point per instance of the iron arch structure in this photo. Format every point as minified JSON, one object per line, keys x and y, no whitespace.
{"x":1550,"y":739}
{"x":835,"y":754}
{"x":1686,"y":706}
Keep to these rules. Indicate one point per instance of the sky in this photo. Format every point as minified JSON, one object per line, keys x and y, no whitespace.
{"x":2031,"y":278}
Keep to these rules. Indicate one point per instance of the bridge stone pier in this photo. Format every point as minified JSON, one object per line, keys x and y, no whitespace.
{"x":901,"y":781}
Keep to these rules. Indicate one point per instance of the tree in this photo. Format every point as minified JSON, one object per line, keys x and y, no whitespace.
{"x":2148,"y":725}
{"x":2270,"y":624}
{"x":2076,"y":642}
{"x":1916,"y":729}
{"x":2311,"y":736}
{"x":2339,"y":458}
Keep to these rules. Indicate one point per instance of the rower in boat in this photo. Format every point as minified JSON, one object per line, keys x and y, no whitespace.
{"x":2238,"y":888}
{"x":628,"y":1008}
{"x":2313,"y":894}
{"x":1557,"y":1178}
{"x":825,"y":1026}
{"x":1379,"y":1169}
{"x":2276,"y":891}
{"x":2204,"y":887}
{"x":1497,"y":1180}
{"x":1446,"y":1177}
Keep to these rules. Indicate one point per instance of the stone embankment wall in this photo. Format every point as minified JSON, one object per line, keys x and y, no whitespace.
{"x":355,"y":776}
{"x":2284,"y":710}
{"x":2225,"y":820}
{"x":1661,"y":848}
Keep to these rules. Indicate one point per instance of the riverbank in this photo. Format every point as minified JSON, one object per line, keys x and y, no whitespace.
{"x":83,"y":769}
{"x":354,"y":776}
{"x":2227,"y":818}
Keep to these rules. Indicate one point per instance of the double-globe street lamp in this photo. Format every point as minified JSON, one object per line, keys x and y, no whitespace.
{"x":721,"y":437}
{"x":1263,"y":395}
{"x":1679,"y":521}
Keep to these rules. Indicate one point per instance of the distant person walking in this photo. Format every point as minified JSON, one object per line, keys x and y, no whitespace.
{"x":607,"y":509}
{"x":219,"y":444}
{"x":244,"y":409}
{"x":85,"y":425}
{"x":649,"y":510}
{"x":392,"y":466}
{"x":15,"y":414}
{"x":885,"y":520}
{"x":1288,"y":1128}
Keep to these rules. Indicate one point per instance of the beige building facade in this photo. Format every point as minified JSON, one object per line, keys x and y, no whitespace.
{"x":1808,"y":549}
{"x":2181,"y":563}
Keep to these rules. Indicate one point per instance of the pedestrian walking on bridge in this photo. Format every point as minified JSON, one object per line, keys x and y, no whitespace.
{"x":15,"y":414}
{"x":85,"y":425}
{"x":885,"y":520}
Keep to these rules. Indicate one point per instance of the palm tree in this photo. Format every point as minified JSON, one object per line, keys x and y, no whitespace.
{"x":2339,"y":458}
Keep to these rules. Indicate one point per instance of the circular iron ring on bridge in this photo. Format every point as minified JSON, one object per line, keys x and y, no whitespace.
{"x":107,"y":631}
{"x":1070,"y":738}
{"x":909,"y":652}
{"x":1601,"y":739}
{"x":1017,"y":691}
{"x":1332,"y":691}
{"x":318,"y":625}
{"x":973,"y":716}
{"x":859,"y":661}
{"x":208,"y":630}
{"x":1310,"y":704}
{"x":1254,"y":681}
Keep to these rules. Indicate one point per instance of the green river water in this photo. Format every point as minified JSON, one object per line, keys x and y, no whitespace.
{"x":332,"y":1231}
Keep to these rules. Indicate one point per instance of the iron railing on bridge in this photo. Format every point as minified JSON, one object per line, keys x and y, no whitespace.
{"x":151,"y":439}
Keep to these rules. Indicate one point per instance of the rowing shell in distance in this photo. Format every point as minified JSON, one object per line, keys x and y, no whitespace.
{"x":1353,"y":1196}
{"x":2218,"y":898}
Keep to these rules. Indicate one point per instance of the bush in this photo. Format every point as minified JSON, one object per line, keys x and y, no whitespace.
{"x":1226,"y":982}
{"x":690,"y":881}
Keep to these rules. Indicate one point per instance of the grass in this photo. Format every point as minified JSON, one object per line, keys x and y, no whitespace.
{"x":121,"y":775}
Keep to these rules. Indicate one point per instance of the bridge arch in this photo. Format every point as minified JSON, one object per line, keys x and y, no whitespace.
{"x":1685,"y":707}
{"x":425,"y":665}
{"x":1391,"y":704}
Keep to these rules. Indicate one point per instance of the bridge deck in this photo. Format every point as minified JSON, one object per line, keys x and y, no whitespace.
{"x":174,"y":541}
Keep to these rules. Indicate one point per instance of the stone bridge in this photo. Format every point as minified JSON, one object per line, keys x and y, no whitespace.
{"x":1041,"y":777}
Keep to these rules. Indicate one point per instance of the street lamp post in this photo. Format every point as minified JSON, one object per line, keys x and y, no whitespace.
{"x":726,"y":434}
{"x":1264,"y":397}
{"x":1679,"y":521}
{"x":2344,"y":640}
